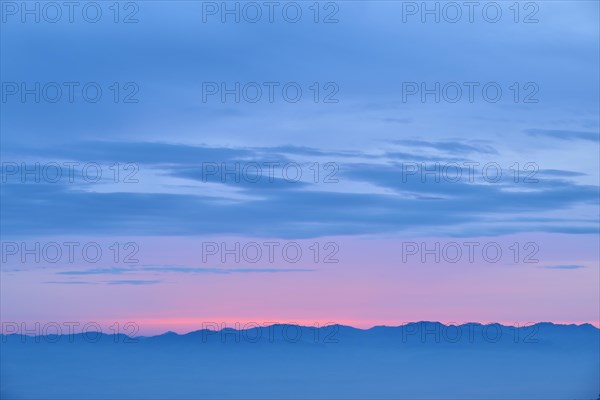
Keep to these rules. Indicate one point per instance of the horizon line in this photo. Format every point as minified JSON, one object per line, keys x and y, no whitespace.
{"x":226,"y":328}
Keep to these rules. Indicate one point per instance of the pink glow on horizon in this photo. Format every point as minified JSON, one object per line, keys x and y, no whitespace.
{"x":369,"y":286}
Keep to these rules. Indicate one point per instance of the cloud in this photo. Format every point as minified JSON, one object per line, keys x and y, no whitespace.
{"x":147,"y":153}
{"x":96,"y":271}
{"x":186,"y":270}
{"x":227,"y":270}
{"x":134,"y":282}
{"x":564,"y":266}
{"x":391,"y":120}
{"x":564,"y":134}
{"x":453,"y":147}
{"x":561,"y":173}
{"x":376,"y":195}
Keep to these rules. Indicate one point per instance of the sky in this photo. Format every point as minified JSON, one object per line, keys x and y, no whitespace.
{"x":361,"y":163}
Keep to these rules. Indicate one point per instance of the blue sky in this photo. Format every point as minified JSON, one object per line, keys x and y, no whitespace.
{"x":169,"y":53}
{"x":372,"y":146}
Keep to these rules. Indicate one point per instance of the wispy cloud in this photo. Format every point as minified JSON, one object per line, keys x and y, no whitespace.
{"x":284,"y":209}
{"x":96,"y":271}
{"x":228,"y":270}
{"x":564,"y":134}
{"x":564,"y":266}
{"x":455,"y":147}
{"x":134,"y":282}
{"x":185,"y":270}
{"x":561,"y":173}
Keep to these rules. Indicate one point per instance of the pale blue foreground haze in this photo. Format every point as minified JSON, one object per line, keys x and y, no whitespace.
{"x":415,"y":361}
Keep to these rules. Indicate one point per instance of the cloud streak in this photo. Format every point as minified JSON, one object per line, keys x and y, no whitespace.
{"x":564,"y":135}
{"x":567,"y":267}
{"x":374,"y":195}
{"x":185,"y":270}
